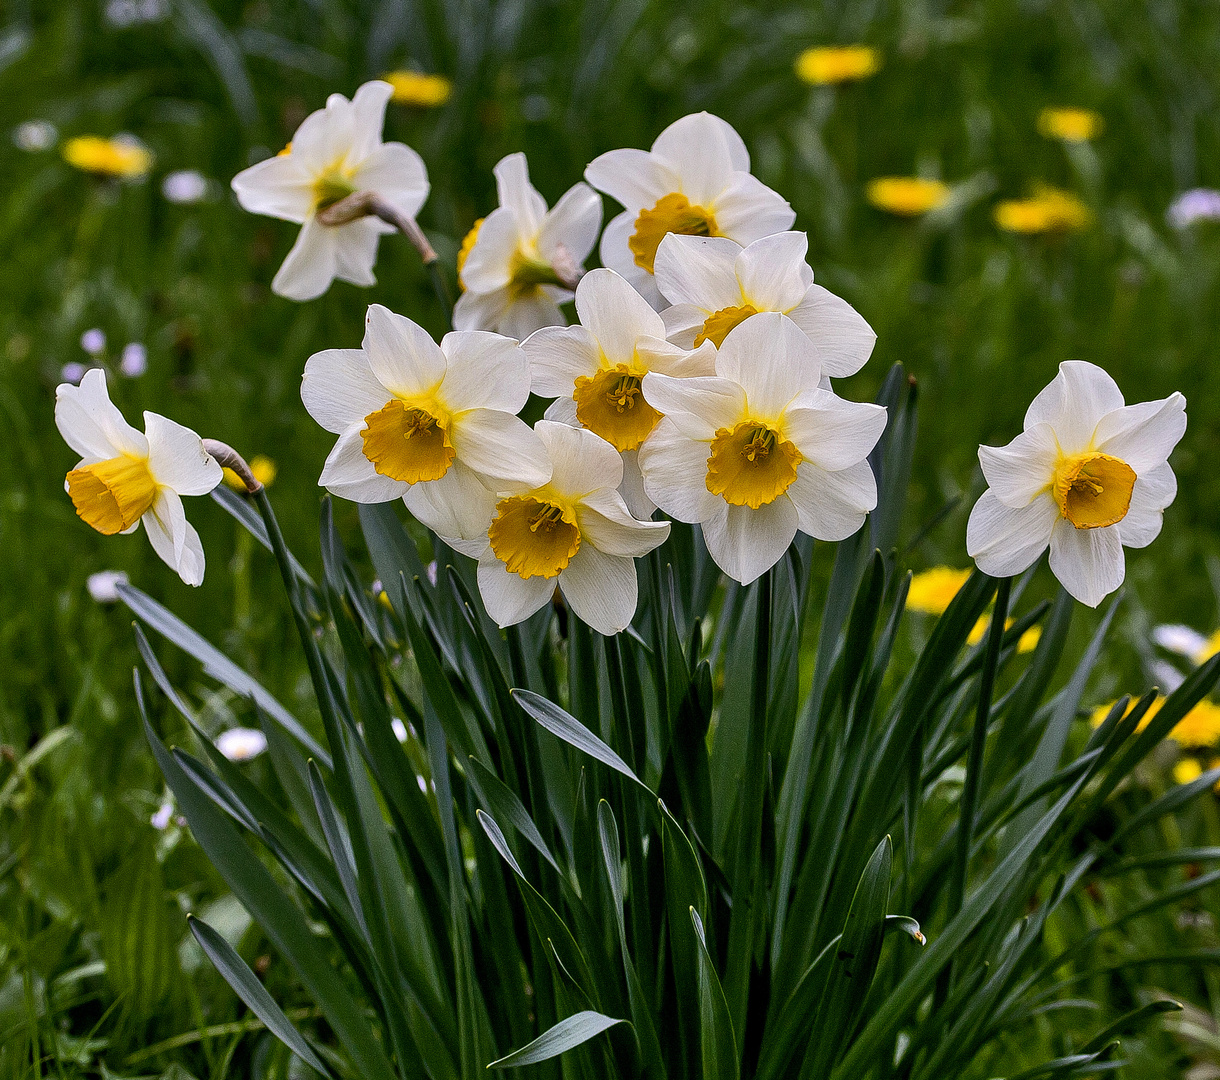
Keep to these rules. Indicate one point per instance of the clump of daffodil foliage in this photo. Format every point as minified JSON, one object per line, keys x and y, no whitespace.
{"x":575,"y":806}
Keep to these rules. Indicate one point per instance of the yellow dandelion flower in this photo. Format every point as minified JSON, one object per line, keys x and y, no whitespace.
{"x":263,"y":468}
{"x":1186,"y":770}
{"x":1026,"y":643}
{"x":1199,"y":728}
{"x":837,"y":64}
{"x":907,"y":196}
{"x":1210,"y":648}
{"x":1047,"y":210}
{"x":422,"y":91}
{"x":931,"y":590}
{"x":124,"y":158}
{"x":1070,"y":124}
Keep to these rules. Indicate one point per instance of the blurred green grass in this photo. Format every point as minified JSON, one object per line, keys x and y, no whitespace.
{"x":979,"y":317}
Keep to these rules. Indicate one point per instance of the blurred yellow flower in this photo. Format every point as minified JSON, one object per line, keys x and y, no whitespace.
{"x":1025,"y":644}
{"x":263,"y":468}
{"x":1047,"y":210}
{"x":907,"y":196}
{"x":416,"y":88}
{"x":1198,"y":728}
{"x":1070,"y":124}
{"x":837,"y":64}
{"x":1209,"y":649}
{"x":1186,"y":770}
{"x":124,"y":158}
{"x":931,"y":590}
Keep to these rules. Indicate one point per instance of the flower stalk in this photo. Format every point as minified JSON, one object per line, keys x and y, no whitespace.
{"x":228,"y":458}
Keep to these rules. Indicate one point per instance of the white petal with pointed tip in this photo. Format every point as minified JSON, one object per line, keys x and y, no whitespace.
{"x":584,"y":463}
{"x":1153,"y":492}
{"x":698,"y":406}
{"x":510,"y":598}
{"x":484,"y":371}
{"x":746,"y":543}
{"x":832,"y":505}
{"x":574,"y":222}
{"x":601,"y":589}
{"x":1019,"y":471}
{"x":773,"y":273}
{"x":91,"y":423}
{"x":1089,"y":563}
{"x":339,"y":389}
{"x":1073,"y":403}
{"x":830,"y":431}
{"x":401,"y":353}
{"x":499,"y":447}
{"x":350,"y":475}
{"x":559,"y":356}
{"x":457,"y":507}
{"x":699,"y":270}
{"x":843,"y":339}
{"x":772,"y":361}
{"x":1143,"y":435}
{"x":1005,"y":540}
{"x":674,"y":469}
{"x":177,"y":459}
{"x":615,"y":314}
{"x":606,"y":523}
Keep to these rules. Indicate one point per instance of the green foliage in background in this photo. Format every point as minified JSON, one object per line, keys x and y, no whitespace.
{"x":980,"y":318}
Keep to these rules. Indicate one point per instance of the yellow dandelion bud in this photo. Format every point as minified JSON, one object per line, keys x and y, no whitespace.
{"x":1070,"y":125}
{"x":422,"y":91}
{"x":1186,"y":770}
{"x":828,"y":65}
{"x":907,"y":196}
{"x":931,"y":590}
{"x":1047,"y":210}
{"x":124,"y":158}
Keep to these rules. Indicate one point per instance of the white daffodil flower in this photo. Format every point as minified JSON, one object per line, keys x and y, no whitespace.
{"x":759,"y":450}
{"x":433,"y":424}
{"x":695,"y":180}
{"x":336,"y":152}
{"x":1088,"y":476}
{"x":522,"y":261}
{"x":714,"y":284}
{"x":594,"y":370}
{"x":574,"y":532}
{"x":125,"y":476}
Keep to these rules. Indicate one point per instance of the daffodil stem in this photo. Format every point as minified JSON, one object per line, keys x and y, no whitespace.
{"x":229,"y":458}
{"x":978,"y":742}
{"x":369,"y":204}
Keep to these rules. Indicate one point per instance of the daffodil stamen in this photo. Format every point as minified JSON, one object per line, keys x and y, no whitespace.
{"x":673,"y":213}
{"x":533,"y":537}
{"x":717,"y":326}
{"x":1093,"y":490}
{"x":112,"y":495}
{"x":610,"y":404}
{"x":751,"y":465}
{"x":407,"y":443}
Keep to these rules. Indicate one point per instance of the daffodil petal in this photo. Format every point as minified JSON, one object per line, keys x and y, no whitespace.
{"x":310,"y":265}
{"x":773,"y":273}
{"x":631,"y":177}
{"x":609,"y":526}
{"x":480,"y":310}
{"x":173,"y":538}
{"x":831,"y":431}
{"x":457,"y":507}
{"x":558,"y":356}
{"x":1019,"y":471}
{"x":518,"y":195}
{"x":843,"y":338}
{"x":366,"y":117}
{"x":616,"y":256}
{"x":832,"y":505}
{"x":701,"y":149}
{"x":1089,"y":563}
{"x":666,"y":358}
{"x":562,"y":411}
{"x":601,"y":589}
{"x":574,"y":222}
{"x":632,"y":487}
{"x":1153,"y":492}
{"x":584,"y":463}
{"x":749,"y":210}
{"x":698,"y":270}
{"x":523,"y":316}
{"x":177,"y":459}
{"x":500,"y":447}
{"x":484,"y":371}
{"x":401,"y":353}
{"x":91,"y":423}
{"x":356,"y":250}
{"x":683,"y":322}
{"x":339,"y":388}
{"x":1143,"y":435}
{"x":489,"y":264}
{"x":1005,"y":540}
{"x":397,"y":174}
{"x":616,"y":315}
{"x":279,"y":187}
{"x":350,"y":475}
{"x":699,"y":406}
{"x":771,"y":360}
{"x":674,"y":469}
{"x":1074,"y":402}
{"x":510,"y":598}
{"x":746,"y":543}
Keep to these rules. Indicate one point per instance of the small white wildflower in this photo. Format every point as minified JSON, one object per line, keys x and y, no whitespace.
{"x":241,"y":744}
{"x":93,"y":341}
{"x":1176,"y":638}
{"x":400,"y":729}
{"x":164,"y":814}
{"x":104,"y":585}
{"x":185,"y":186}
{"x":35,"y":135}
{"x":134,"y":361}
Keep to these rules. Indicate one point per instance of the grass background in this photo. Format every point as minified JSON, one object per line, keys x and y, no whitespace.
{"x":979,"y":317}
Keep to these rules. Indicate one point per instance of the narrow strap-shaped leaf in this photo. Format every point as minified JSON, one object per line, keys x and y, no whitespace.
{"x":338,"y":841}
{"x":684,"y":889}
{"x":246,"y":985}
{"x":573,"y":732}
{"x":503,"y":804}
{"x":1129,"y":1022}
{"x":716,"y":1036}
{"x":248,"y":518}
{"x":569,"y":1032}
{"x":271,"y":907}
{"x":216,"y":664}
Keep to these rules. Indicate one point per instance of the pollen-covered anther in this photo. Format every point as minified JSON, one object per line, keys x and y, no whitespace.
{"x":673,"y":213}
{"x":1093,"y":490}
{"x":719,"y":323}
{"x":751,"y":465}
{"x":407,"y":443}
{"x":112,"y":495}
{"x":533,"y":537}
{"x":611,"y":404}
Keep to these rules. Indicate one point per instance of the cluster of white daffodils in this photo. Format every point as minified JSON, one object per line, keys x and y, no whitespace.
{"x":697,"y":381}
